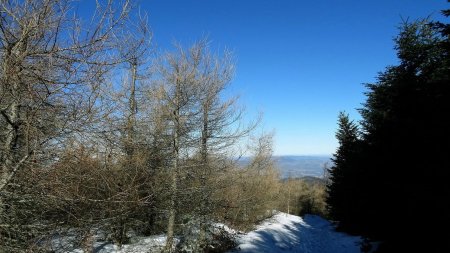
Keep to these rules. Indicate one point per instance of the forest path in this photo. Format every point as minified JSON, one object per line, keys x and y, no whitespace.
{"x":289,"y":233}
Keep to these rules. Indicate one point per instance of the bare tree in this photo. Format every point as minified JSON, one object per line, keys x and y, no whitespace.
{"x":252,"y":191}
{"x":52,"y":66}
{"x":63,"y":121}
{"x":221,"y":125}
{"x":203,"y":125}
{"x":138,"y":37}
{"x":176,"y":91}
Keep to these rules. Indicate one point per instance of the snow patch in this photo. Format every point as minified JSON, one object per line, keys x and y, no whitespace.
{"x":289,"y":233}
{"x":283,"y":233}
{"x":154,"y":243}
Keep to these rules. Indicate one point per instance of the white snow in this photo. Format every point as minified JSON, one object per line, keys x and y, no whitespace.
{"x":145,"y":244}
{"x":281,"y":233}
{"x":288,"y":233}
{"x":140,"y":244}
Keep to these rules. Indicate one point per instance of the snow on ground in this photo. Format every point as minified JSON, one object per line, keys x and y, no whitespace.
{"x":146,"y":244}
{"x":281,"y":233}
{"x":153,"y":244}
{"x":288,"y":233}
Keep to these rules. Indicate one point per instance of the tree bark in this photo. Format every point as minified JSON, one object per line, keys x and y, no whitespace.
{"x":10,"y":142}
{"x":174,"y":172}
{"x":205,"y":196}
{"x":133,"y":110}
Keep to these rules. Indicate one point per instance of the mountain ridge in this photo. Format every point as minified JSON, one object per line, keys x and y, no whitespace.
{"x":297,"y":166}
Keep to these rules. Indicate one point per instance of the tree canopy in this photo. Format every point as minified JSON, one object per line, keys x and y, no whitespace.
{"x":398,"y":173}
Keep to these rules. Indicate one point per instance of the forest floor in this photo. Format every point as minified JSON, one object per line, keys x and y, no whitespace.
{"x":282,"y":233}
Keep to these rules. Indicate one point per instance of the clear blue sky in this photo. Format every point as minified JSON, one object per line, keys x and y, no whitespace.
{"x":300,"y":62}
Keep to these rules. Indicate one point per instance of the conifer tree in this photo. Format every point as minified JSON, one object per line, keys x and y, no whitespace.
{"x":406,"y":139}
{"x":343,"y":171}
{"x":398,"y":173}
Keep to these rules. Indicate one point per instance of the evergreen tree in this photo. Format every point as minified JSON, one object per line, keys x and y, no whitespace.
{"x":403,"y":153}
{"x":343,"y":172}
{"x":408,"y":144}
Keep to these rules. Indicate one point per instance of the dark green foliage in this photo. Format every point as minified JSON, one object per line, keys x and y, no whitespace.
{"x":344,"y":174}
{"x":396,"y":178}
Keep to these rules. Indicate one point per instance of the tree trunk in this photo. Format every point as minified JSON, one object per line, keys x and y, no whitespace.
{"x":172,"y":210}
{"x":204,"y":205}
{"x":8,"y":168}
{"x":133,"y":110}
{"x":7,"y":158}
{"x":174,"y":172}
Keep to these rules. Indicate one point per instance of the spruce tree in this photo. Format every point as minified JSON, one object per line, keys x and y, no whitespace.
{"x":403,"y":119}
{"x":343,"y":172}
{"x":397,"y":178}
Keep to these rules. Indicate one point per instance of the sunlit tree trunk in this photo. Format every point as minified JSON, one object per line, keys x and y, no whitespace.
{"x":131,"y":123}
{"x":175,"y":168}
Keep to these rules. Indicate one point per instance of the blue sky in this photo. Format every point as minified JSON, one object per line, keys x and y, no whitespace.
{"x":300,"y":62}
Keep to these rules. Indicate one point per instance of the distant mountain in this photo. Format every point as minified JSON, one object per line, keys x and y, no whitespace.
{"x":313,"y":180}
{"x":298,"y":166}
{"x":302,"y":166}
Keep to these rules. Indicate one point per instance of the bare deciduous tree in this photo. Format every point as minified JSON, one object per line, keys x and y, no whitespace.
{"x":52,"y":67}
{"x":177,"y":93}
{"x":252,"y":191}
{"x":202,"y":125}
{"x":66,"y":124}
